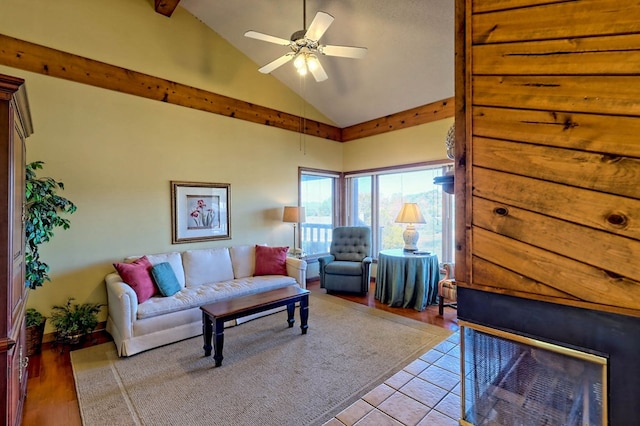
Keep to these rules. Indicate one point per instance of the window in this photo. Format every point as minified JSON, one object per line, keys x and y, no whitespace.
{"x":374,"y":198}
{"x":359,"y":208}
{"x":319,"y":195}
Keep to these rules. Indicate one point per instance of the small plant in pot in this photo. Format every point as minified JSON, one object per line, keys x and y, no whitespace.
{"x":73,"y":322}
{"x":34,"y":322}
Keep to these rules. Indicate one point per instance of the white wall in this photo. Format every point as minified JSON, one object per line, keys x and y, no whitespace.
{"x":407,"y":146}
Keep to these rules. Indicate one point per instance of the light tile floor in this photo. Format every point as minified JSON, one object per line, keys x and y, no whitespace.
{"x":425,"y":392}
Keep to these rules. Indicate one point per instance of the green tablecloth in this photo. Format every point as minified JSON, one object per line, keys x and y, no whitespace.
{"x":406,"y":279}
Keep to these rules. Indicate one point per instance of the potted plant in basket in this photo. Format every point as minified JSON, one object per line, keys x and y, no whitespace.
{"x":34,"y":322}
{"x":73,"y":322}
{"x":43,"y":213}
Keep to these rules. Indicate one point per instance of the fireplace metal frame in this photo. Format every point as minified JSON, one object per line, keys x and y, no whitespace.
{"x":517,"y":338}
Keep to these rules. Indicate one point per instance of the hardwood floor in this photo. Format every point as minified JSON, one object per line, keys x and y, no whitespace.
{"x":51,"y":396}
{"x":448,"y":320}
{"x":51,"y":393}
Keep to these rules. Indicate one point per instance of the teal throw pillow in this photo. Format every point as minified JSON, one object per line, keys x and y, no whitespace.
{"x":165,"y":279}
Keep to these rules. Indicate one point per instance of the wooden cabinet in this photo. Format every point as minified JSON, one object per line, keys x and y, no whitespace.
{"x":15,"y":126}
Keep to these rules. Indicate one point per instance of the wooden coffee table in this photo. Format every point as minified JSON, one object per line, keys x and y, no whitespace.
{"x":227,"y":310}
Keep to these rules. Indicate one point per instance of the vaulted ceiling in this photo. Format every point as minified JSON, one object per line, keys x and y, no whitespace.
{"x":409,"y":63}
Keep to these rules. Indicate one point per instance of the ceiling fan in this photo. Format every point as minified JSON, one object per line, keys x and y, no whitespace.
{"x":305,"y":47}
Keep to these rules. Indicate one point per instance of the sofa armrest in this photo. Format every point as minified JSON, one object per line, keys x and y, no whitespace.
{"x":123,"y":304}
{"x":297,"y":268}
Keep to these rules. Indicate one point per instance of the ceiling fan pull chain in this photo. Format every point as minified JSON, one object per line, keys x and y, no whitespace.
{"x":303,"y":118}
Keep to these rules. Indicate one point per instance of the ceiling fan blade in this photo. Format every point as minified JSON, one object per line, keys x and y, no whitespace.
{"x":267,"y":38}
{"x":318,"y":26}
{"x":343,"y":51}
{"x":318,"y":71}
{"x":277,"y":63}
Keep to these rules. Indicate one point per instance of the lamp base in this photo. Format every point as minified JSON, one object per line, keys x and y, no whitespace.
{"x":410,"y":237}
{"x":297,"y":253}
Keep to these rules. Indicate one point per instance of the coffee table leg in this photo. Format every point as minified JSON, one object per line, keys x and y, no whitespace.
{"x":207,"y":331}
{"x":219,"y":342}
{"x":304,"y":313}
{"x":291,"y":307}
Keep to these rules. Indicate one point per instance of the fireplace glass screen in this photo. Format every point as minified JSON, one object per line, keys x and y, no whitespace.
{"x":515,"y":380}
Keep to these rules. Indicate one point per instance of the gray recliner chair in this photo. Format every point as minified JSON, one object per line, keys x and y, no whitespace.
{"x":348,"y":266}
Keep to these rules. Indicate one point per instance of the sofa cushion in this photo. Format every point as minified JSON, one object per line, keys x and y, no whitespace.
{"x":138,"y":275}
{"x":271,"y":260}
{"x":191,"y":297}
{"x":173,"y":258}
{"x":165,"y":279}
{"x":243,"y":259}
{"x":207,"y":266}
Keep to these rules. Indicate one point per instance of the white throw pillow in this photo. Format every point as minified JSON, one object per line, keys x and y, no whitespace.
{"x":207,"y":266}
{"x":243,"y":259}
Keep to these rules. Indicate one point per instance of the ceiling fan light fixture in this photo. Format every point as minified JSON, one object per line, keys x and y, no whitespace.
{"x":312,"y":62}
{"x":299,"y":62}
{"x":305,"y":47}
{"x":302,"y":70}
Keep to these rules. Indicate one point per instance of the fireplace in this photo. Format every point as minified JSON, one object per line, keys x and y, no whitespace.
{"x":576,"y":366}
{"x":514,"y":380}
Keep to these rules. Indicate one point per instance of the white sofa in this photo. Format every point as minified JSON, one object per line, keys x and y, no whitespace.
{"x":205,"y":276}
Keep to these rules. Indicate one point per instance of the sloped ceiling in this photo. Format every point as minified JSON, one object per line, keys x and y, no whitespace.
{"x":409,"y":63}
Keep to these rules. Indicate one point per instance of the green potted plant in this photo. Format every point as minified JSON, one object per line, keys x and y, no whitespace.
{"x":43,"y":209}
{"x":73,"y":322}
{"x":34,"y":322}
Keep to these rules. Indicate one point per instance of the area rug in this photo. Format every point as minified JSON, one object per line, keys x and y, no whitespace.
{"x":271,"y":374}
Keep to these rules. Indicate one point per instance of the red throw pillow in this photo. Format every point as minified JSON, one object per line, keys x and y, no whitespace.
{"x":271,"y":260}
{"x":138,"y":275}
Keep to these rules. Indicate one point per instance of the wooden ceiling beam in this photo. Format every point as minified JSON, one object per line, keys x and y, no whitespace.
{"x":40,"y":59}
{"x":401,"y":120}
{"x":43,"y":60}
{"x":166,"y":7}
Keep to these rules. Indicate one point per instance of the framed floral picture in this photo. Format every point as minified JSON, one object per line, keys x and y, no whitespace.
{"x":199,"y":212}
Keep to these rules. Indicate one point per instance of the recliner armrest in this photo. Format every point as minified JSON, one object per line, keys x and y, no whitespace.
{"x":366,"y":271}
{"x":324,"y":260}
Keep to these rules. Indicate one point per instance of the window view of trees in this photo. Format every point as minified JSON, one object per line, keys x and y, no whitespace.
{"x":317,"y":197}
{"x":392,"y":190}
{"x":374,"y":200}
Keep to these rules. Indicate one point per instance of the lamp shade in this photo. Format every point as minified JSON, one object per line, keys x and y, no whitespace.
{"x":410,"y":213}
{"x":293,"y":214}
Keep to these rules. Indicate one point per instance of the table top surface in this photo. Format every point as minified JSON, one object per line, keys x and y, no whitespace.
{"x":242,"y":303}
{"x":406,"y":254}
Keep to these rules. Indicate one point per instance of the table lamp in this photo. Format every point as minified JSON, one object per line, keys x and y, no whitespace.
{"x":295,"y":215}
{"x":410,"y":214}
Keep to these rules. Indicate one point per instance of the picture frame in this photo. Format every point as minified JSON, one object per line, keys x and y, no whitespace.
{"x":200,"y":212}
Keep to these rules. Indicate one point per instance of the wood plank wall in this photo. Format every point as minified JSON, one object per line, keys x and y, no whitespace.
{"x":549,"y":186}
